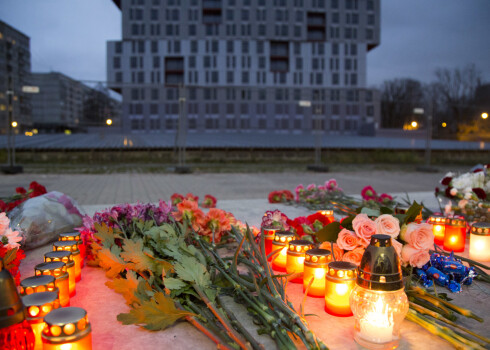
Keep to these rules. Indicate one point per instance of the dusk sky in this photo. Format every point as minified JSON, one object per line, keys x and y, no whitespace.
{"x":417,"y":36}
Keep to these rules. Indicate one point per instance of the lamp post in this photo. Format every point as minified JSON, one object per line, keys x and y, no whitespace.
{"x":484,"y":115}
{"x":428,"y":118}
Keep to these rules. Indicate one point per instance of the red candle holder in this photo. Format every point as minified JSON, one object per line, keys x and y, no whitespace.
{"x":268,"y":233}
{"x":455,"y":235}
{"x":438,"y":223}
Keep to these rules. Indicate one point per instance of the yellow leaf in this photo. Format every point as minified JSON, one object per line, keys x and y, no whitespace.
{"x":133,"y":254}
{"x":125,"y":286}
{"x":110,"y":261}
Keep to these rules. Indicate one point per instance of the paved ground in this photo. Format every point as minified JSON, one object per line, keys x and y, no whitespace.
{"x":118,"y":188}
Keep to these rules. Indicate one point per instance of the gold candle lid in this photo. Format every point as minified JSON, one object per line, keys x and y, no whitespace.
{"x":283,"y":237}
{"x":456,"y":222}
{"x":70,"y":236}
{"x":63,"y":256}
{"x":317,"y":257}
{"x":437,"y":219}
{"x":40,"y":304}
{"x":65,"y":325}
{"x":56,"y":269}
{"x":36,"y":284}
{"x":71,"y":246}
{"x":480,"y":228}
{"x":341,"y":271}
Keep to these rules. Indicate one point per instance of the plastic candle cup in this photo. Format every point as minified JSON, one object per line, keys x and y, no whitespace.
{"x":67,"y":258}
{"x":339,"y":283}
{"x":455,"y":236}
{"x":378,"y":301}
{"x":281,"y":241}
{"x":480,"y":241}
{"x":268,"y":233}
{"x":316,"y":261}
{"x":328,"y":213}
{"x":71,"y":246}
{"x":438,"y":223}
{"x":74,"y":236}
{"x":37,"y":284}
{"x":39,"y":305}
{"x":58,"y":271}
{"x":295,"y":257}
{"x":67,"y":329}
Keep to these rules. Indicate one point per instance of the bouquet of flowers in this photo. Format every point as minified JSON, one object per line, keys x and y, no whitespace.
{"x":470,"y":193}
{"x":10,"y":251}
{"x":209,"y":201}
{"x":21,"y":195}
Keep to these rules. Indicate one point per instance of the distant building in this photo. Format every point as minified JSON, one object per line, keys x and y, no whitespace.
{"x":67,"y":104}
{"x":284,"y":66}
{"x":15,"y":69}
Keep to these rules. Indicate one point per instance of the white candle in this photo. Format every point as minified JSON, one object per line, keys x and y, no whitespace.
{"x":376,"y":326}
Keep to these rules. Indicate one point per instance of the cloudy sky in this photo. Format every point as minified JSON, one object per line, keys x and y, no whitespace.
{"x":417,"y":36}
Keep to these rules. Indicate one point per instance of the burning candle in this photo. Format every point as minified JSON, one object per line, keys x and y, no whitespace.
{"x":328,"y":213}
{"x":59,"y":272}
{"x":480,"y":241}
{"x":438,"y":223}
{"x":378,"y":301}
{"x":316,"y":261}
{"x":295,"y":257}
{"x":67,"y":258}
{"x":67,"y":329}
{"x":39,"y":305}
{"x":281,"y":241}
{"x":71,"y":246}
{"x":455,"y":236}
{"x":37,"y":284}
{"x":74,"y":236}
{"x":340,"y":281}
{"x":268,"y":233}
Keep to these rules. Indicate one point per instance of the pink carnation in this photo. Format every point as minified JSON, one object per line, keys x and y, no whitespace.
{"x":311,"y":187}
{"x":368,"y":193}
{"x":364,"y":228}
{"x":414,"y":257}
{"x":331,"y":184}
{"x":347,"y":240}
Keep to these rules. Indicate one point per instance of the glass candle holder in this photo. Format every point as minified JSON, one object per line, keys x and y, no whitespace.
{"x":268,"y":233}
{"x":316,"y":261}
{"x":67,"y":258}
{"x":281,"y":241}
{"x":39,"y":305}
{"x":480,"y":241}
{"x":455,"y":236}
{"x":71,"y":246}
{"x":67,"y":328}
{"x":59,"y":272}
{"x":378,"y":301}
{"x":438,"y":223}
{"x":37,"y":284}
{"x":339,"y":282}
{"x":328,"y":213}
{"x":74,"y":236}
{"x":295,"y":257}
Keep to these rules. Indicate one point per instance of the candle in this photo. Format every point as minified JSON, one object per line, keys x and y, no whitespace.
{"x":59,"y":272}
{"x":67,"y":258}
{"x":376,"y":327}
{"x":480,"y":241}
{"x":67,"y":329}
{"x":268,"y":233}
{"x":455,"y":236}
{"x":37,"y":284}
{"x":295,"y":257}
{"x":340,"y":281}
{"x":39,"y":305}
{"x":328,"y":213}
{"x":438,"y":223}
{"x":74,"y":236}
{"x":316,"y":261}
{"x":71,"y":246}
{"x":281,"y":241}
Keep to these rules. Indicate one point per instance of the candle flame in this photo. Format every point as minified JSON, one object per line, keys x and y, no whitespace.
{"x":453,"y":239}
{"x":65,"y":347}
{"x":319,"y":273}
{"x":341,"y":288}
{"x":301,"y":260}
{"x":438,"y":228}
{"x":378,"y":315}
{"x":479,"y":245}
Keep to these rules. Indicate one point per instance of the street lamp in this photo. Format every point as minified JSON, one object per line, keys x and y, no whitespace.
{"x":444,"y":124}
{"x":414,"y":124}
{"x":108,"y":121}
{"x":484,"y":115}
{"x":14,"y":124}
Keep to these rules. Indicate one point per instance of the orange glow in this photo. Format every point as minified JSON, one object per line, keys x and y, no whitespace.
{"x":295,"y":264}
{"x":341,"y":289}
{"x":84,"y":343}
{"x":268,"y":239}
{"x":454,"y":238}
{"x":34,"y":311}
{"x":317,"y":287}
{"x":37,"y":328}
{"x":439,"y":231}
{"x":279,"y":262}
{"x":480,"y":247}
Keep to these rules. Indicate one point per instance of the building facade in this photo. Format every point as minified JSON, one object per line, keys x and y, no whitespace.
{"x":15,"y":69}
{"x":287,"y":66}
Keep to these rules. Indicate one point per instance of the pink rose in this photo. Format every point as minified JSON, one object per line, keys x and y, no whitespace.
{"x":354,"y":256}
{"x":347,"y":240}
{"x":364,"y":228}
{"x":419,"y":236}
{"x":414,"y":257}
{"x":337,"y":252}
{"x":398,"y":246}
{"x":4,"y":223}
{"x":387,"y":225}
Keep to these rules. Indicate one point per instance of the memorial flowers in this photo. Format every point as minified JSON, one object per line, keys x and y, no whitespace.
{"x":10,"y":250}
{"x":21,"y":195}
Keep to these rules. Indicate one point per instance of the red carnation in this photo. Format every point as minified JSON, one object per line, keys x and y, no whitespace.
{"x":191,"y":197}
{"x":446,"y":181}
{"x":209,"y":201}
{"x":176,"y":198}
{"x":275,"y":197}
{"x":480,"y":193}
{"x":287,"y":195}
{"x":385,"y":198}
{"x":436,"y":191}
{"x":37,"y":189}
{"x":368,"y":193}
{"x":20,"y":190}
{"x":3,"y":206}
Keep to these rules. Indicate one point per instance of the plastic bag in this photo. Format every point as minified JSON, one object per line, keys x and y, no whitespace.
{"x":41,"y":219}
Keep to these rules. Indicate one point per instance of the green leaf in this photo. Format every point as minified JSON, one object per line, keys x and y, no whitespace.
{"x":191,"y":270}
{"x":109,"y":260}
{"x":105,"y":234}
{"x":412,"y":212}
{"x":173,"y":283}
{"x":347,"y":222}
{"x":370,"y":212}
{"x":157,"y":314}
{"x":133,"y":254}
{"x":386,"y":210}
{"x":144,"y":291}
{"x":329,"y":233}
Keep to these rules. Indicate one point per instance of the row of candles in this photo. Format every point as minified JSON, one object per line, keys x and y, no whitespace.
{"x":46,"y":296}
